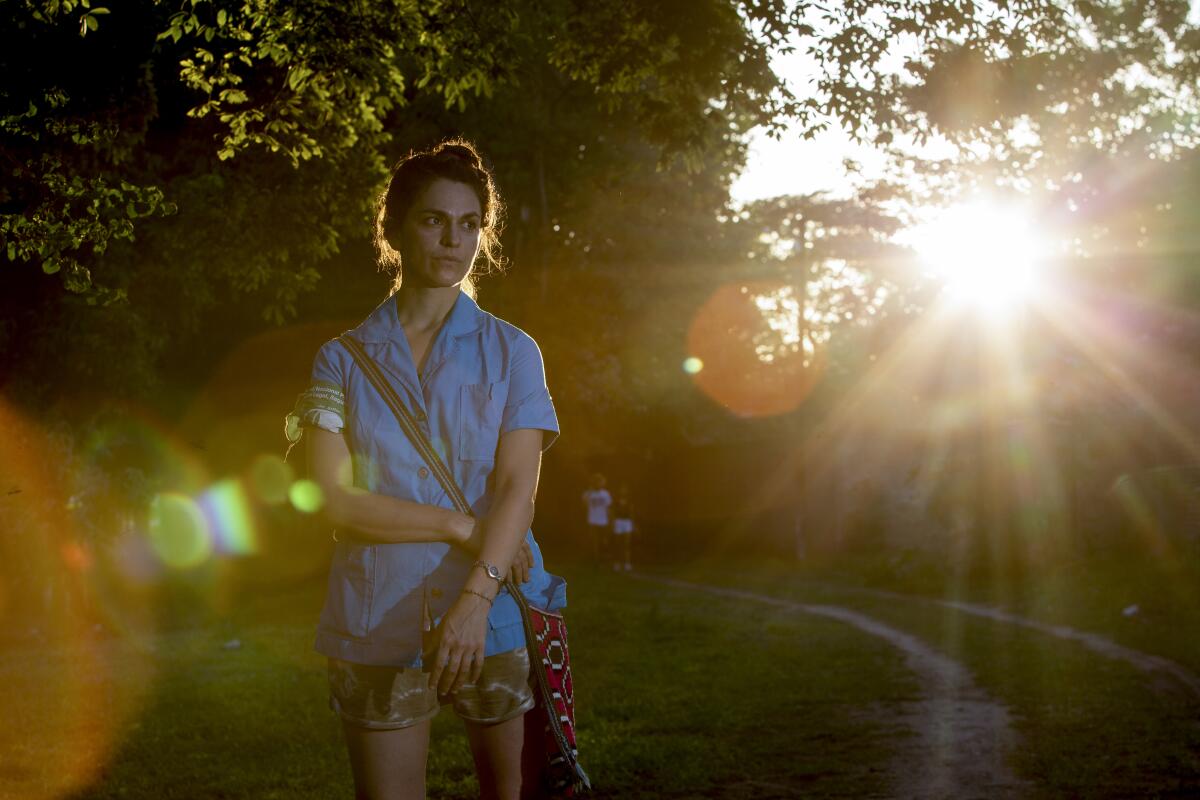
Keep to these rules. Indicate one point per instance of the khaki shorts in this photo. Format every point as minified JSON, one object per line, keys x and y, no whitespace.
{"x":384,"y":698}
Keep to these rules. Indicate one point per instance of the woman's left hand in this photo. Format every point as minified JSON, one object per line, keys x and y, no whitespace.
{"x":458,"y":656}
{"x":522,"y":563}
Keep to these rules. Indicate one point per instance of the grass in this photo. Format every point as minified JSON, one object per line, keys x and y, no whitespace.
{"x":685,"y":695}
{"x":1090,"y":726}
{"x":677,"y":696}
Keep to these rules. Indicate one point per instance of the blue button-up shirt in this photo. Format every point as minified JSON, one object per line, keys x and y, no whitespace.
{"x":483,"y":378}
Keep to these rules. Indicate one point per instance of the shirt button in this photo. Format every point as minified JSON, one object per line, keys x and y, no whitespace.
{"x":422,"y":472}
{"x":435,"y":592}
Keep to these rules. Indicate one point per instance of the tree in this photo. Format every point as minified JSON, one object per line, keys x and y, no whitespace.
{"x":241,"y":142}
{"x":1029,"y":75}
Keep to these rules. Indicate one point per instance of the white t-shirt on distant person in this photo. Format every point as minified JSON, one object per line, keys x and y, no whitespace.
{"x":598,"y":501}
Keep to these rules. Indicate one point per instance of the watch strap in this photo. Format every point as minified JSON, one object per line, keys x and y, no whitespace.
{"x":491,"y":570}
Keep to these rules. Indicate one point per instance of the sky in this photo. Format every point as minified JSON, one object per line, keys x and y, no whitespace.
{"x":792,"y":164}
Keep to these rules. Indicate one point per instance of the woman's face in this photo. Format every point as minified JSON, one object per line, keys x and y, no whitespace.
{"x":440,"y":235}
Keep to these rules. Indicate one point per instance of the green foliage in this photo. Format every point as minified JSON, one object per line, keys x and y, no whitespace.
{"x":226,"y":151}
{"x":76,"y":214}
{"x":66,"y":200}
{"x":50,"y":10}
{"x":672,"y":78}
{"x":304,"y":80}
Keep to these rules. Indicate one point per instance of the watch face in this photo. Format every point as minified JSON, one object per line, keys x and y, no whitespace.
{"x":493,"y":571}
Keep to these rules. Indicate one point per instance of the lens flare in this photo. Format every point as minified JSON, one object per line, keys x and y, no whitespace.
{"x":75,"y":556}
{"x":751,"y":343}
{"x":179,"y":531}
{"x":230,"y":516}
{"x":135,"y":559}
{"x":137,"y":446}
{"x":66,"y":709}
{"x":271,"y":477}
{"x":307,"y":496}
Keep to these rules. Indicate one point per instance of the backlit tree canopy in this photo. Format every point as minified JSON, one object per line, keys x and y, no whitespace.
{"x":1120,"y":73}
{"x":240,"y":143}
{"x":157,"y":93}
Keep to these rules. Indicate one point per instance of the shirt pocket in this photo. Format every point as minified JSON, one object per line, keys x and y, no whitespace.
{"x":481,"y":410}
{"x":351,"y":589}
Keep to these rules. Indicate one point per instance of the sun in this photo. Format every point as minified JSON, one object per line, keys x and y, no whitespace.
{"x":987,"y":254}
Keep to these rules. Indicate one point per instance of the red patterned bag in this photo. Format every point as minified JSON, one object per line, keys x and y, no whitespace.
{"x":550,"y":662}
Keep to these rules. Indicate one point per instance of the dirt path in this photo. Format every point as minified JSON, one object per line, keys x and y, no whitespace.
{"x":962,"y":737}
{"x":1155,"y":666}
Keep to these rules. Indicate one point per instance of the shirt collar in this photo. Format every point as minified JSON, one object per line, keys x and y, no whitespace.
{"x":466,"y":316}
{"x":383,"y":324}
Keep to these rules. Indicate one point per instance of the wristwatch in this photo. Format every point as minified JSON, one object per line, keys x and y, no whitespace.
{"x":491,"y":570}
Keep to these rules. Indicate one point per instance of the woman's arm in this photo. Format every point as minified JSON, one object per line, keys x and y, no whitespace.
{"x":380,"y":517}
{"x":459,"y":656}
{"x":518,"y":464}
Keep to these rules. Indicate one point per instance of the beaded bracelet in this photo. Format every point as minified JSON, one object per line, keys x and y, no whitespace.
{"x":480,"y":594}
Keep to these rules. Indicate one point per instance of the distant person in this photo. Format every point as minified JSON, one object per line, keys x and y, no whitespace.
{"x":622,"y":531}
{"x":597,"y":500}
{"x":416,"y":615}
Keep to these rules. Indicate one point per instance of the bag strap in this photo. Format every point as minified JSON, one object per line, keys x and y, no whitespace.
{"x":408,"y":422}
{"x":412,"y":429}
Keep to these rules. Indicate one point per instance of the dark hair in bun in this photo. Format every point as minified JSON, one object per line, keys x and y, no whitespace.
{"x":454,"y":160}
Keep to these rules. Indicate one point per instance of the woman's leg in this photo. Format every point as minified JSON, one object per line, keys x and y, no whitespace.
{"x":508,"y":759}
{"x":388,"y":764}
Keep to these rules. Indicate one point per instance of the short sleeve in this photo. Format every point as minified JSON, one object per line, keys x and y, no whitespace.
{"x":323,"y":403}
{"x":529,"y":404}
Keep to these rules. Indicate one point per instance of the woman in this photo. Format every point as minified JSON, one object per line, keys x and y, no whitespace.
{"x":416,"y":615}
